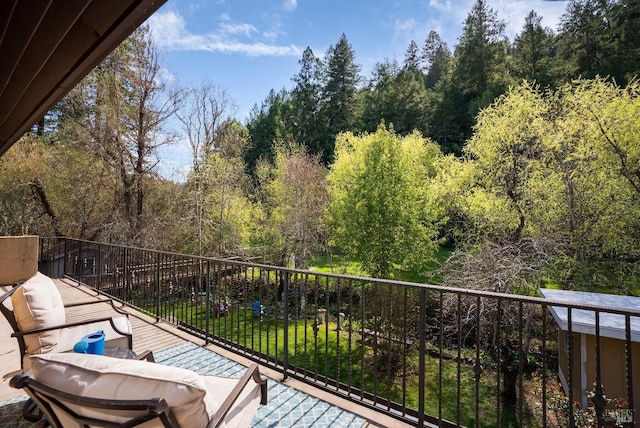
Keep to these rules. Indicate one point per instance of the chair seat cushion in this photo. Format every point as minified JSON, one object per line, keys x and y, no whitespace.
{"x":37,"y":304}
{"x":111,"y":378}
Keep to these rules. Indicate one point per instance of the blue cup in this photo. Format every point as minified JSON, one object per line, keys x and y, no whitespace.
{"x":91,"y":344}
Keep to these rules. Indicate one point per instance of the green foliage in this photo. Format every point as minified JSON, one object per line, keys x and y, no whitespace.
{"x":266,"y":127}
{"x":339,"y":101}
{"x":294,"y":195}
{"x":561,"y":165}
{"x":20,"y":212}
{"x":54,"y":189}
{"x":531,"y":59}
{"x":305,"y":103}
{"x":380,"y":211}
{"x":584,"y":28}
{"x":481,"y":51}
{"x":396,"y":96}
{"x":600,"y":38}
{"x":505,"y":149}
{"x":436,"y":54}
{"x":558,"y":163}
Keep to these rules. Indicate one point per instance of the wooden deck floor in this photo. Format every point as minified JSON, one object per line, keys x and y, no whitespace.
{"x":147,"y":333}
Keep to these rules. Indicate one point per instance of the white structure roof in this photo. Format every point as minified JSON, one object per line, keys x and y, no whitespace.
{"x":584,"y":321}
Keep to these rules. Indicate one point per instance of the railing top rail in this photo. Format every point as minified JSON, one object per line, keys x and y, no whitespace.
{"x":545,"y":302}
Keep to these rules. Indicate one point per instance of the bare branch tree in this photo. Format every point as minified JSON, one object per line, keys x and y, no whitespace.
{"x":501,"y":327}
{"x":207,"y":108}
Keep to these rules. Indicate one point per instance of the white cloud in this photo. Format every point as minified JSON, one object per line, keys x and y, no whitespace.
{"x":243,"y":29}
{"x":272,"y":33}
{"x":443,"y":5}
{"x":170,"y":32}
{"x":167,"y":27}
{"x":515,"y":12}
{"x":290,"y":4}
{"x":405,"y":25}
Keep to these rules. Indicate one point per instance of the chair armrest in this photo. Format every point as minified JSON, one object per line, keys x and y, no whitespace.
{"x":8,"y":294}
{"x":252,"y":373}
{"x":146,"y":355}
{"x":69,"y":325}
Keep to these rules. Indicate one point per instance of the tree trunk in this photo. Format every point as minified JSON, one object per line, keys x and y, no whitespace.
{"x":41,"y":196}
{"x":509,"y":377}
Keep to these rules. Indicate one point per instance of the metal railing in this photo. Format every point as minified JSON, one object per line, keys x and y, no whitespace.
{"x":427,"y":355}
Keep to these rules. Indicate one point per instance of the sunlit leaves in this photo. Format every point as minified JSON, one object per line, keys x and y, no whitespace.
{"x":565,"y":163}
{"x":381,"y":210}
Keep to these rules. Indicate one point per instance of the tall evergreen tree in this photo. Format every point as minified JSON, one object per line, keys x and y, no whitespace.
{"x":437,"y":56}
{"x":481,"y":71}
{"x":412,"y":56}
{"x":583,"y":43}
{"x":305,"y":102}
{"x":339,"y":94}
{"x":624,"y":62}
{"x":532,"y":50}
{"x":267,"y":126}
{"x":396,"y":96}
{"x":481,"y":53}
{"x":377,"y":97}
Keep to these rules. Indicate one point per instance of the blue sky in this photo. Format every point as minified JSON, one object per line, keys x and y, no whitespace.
{"x":249,"y":47}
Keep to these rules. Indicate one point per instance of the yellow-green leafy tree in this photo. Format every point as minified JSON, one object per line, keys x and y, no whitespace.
{"x":562,"y":166}
{"x":381,"y":211}
{"x":591,"y":145}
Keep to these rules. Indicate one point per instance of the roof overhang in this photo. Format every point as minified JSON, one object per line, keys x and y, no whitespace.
{"x":583,"y":321}
{"x":48,"y":46}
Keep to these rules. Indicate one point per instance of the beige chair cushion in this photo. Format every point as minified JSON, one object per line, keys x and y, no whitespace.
{"x":38,"y":304}
{"x":103,"y":377}
{"x":244,"y":409}
{"x":69,"y":336}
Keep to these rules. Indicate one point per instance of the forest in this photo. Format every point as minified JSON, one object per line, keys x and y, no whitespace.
{"x":495,"y":164}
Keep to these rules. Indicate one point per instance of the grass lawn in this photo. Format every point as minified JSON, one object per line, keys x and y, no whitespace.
{"x":352,"y":359}
{"x":331,"y":263}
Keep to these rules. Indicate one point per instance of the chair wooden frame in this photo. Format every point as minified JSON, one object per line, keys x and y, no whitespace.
{"x":156,"y":407}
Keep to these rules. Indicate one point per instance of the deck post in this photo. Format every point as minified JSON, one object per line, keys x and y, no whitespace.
{"x":157,"y":287}
{"x":422,"y":355}
{"x":285,"y":357}
{"x":208,"y":302}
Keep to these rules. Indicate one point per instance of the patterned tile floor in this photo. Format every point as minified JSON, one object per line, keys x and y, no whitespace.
{"x":287,"y":407}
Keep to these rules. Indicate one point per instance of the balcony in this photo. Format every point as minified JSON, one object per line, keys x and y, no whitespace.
{"x":396,"y":353}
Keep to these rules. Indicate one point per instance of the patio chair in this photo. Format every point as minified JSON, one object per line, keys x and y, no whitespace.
{"x":36,"y":313}
{"x":258,"y":309}
{"x":84,"y":390}
{"x":221,"y":309}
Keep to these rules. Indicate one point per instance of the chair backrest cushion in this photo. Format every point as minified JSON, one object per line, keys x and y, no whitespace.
{"x":37,"y":304}
{"x":111,"y":378}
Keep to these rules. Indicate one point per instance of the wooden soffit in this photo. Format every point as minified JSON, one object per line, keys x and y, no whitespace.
{"x":48,"y":46}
